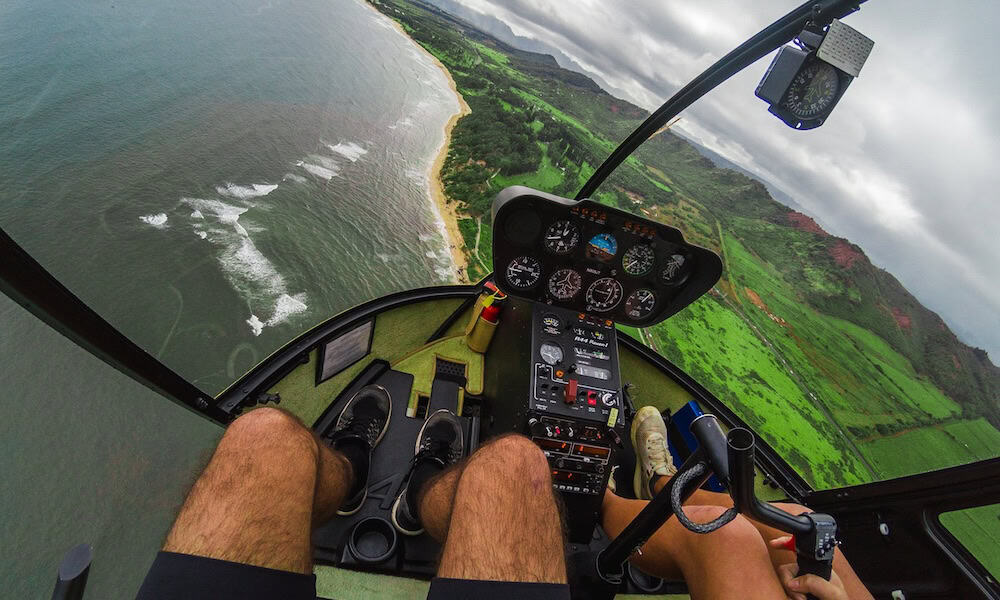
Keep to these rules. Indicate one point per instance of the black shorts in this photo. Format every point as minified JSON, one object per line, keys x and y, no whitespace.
{"x":184,"y":576}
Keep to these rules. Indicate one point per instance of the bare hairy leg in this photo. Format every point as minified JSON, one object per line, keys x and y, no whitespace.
{"x":268,"y":483}
{"x":504,"y":522}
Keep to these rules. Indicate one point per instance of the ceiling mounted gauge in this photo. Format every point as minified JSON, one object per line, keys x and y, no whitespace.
{"x":524,"y":272}
{"x":602,"y":247}
{"x":551,"y":353}
{"x":561,"y":237}
{"x":564,"y":284}
{"x":814,"y":89}
{"x":640,"y":304}
{"x":676,"y":270}
{"x":638,"y":260}
{"x":604,"y":294}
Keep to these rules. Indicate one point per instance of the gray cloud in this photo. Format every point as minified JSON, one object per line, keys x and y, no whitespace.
{"x":904,"y":165}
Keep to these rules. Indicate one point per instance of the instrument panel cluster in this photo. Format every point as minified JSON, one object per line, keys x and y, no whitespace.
{"x":595,"y":259}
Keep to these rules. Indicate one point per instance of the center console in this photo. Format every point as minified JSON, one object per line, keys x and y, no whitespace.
{"x":575,"y":398}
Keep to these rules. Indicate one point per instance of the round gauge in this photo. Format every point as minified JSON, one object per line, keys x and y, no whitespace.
{"x":676,"y":269}
{"x":551,"y":353}
{"x":813,"y":90}
{"x":561,"y":237}
{"x":604,"y":294}
{"x":551,"y":322}
{"x":602,"y":247}
{"x":564,"y":284}
{"x":523,"y":272}
{"x":638,"y":260}
{"x":640,"y":304}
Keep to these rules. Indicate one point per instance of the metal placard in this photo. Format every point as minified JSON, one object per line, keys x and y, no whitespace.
{"x":845,"y":48}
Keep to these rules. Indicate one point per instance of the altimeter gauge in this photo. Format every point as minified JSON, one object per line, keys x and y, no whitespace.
{"x":524,"y":272}
{"x":640,"y":304}
{"x":564,"y":284}
{"x":638,"y":260}
{"x":562,"y":237}
{"x":604,"y":294}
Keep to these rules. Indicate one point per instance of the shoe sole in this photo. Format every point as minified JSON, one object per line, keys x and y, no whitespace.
{"x":395,"y":520}
{"x":347,"y":513}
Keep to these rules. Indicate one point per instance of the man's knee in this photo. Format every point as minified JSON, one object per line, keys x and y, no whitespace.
{"x":512,"y":456}
{"x":269,"y":429}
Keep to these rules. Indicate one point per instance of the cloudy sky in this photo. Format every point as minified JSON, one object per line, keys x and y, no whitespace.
{"x":903,"y":167}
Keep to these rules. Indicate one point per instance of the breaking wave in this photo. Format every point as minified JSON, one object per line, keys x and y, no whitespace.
{"x":241,"y":191}
{"x":326,"y":172}
{"x":294,"y":177}
{"x":348,"y":150}
{"x":159,"y":220}
{"x":245,"y":266}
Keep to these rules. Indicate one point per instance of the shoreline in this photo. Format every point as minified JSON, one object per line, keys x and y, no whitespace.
{"x":447,"y":213}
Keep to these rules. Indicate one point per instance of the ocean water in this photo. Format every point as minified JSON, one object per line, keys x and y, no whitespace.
{"x":214,"y":178}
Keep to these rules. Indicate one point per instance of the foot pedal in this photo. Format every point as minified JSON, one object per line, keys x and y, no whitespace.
{"x":450,"y":371}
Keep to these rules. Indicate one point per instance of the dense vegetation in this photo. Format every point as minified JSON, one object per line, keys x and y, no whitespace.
{"x":840,"y":369}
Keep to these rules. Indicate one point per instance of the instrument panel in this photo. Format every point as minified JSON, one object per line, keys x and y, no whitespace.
{"x":594,"y":259}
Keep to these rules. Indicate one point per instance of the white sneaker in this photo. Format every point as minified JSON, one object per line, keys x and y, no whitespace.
{"x":649,"y":438}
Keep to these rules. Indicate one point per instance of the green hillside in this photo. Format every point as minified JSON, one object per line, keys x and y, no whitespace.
{"x":828,"y":357}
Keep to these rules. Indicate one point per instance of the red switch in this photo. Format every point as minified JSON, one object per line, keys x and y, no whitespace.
{"x":571,"y":392}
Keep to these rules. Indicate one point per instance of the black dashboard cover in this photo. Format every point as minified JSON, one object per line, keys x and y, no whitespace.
{"x":595,"y":259}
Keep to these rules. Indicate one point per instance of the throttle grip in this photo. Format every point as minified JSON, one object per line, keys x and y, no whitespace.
{"x":807,"y":565}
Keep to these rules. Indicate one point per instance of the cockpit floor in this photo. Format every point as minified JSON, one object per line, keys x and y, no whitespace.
{"x":343,"y":584}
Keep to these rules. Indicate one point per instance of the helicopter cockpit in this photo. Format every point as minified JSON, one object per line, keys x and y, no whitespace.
{"x":552,"y":335}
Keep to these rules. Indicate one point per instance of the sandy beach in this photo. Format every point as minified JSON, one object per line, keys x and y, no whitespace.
{"x":447,"y":211}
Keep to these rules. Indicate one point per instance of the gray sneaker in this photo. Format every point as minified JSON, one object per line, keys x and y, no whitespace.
{"x":439,"y":444}
{"x":649,"y":438}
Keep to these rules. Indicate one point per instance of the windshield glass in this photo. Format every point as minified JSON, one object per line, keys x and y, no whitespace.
{"x":856,"y":316}
{"x":215,"y":180}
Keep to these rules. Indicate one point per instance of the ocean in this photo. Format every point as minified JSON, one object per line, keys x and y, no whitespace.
{"x":214,"y":179}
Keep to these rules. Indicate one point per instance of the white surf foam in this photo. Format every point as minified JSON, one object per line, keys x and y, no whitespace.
{"x":256,"y":326}
{"x":248,"y":270}
{"x":318,"y":171}
{"x":430,"y":254}
{"x":425,"y":237}
{"x":196,"y":214}
{"x":294,"y":177}
{"x":287,"y":306}
{"x":445,"y":273}
{"x":159,"y":220}
{"x":348,"y":150}
{"x":242,"y":191}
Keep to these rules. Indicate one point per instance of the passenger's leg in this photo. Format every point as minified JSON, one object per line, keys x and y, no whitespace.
{"x":731,"y":562}
{"x":852,"y":583}
{"x":268,"y":483}
{"x":501,"y":522}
